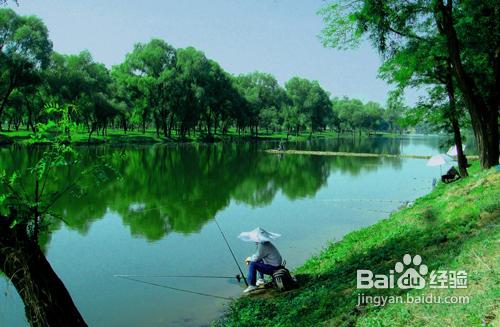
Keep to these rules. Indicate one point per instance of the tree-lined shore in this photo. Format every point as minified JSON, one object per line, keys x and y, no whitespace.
{"x":173,"y":91}
{"x":450,"y":49}
{"x":159,"y":93}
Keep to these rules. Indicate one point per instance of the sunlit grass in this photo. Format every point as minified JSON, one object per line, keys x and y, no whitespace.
{"x":455,"y":227}
{"x":150,"y":136}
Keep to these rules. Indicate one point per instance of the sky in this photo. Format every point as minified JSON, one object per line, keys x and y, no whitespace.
{"x":274,"y":36}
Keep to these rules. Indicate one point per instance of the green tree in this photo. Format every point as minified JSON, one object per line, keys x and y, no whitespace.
{"x":262,"y":92}
{"x":84,"y":84}
{"x":26,"y":202}
{"x":346,"y":110}
{"x":470,"y":30}
{"x":147,"y":65}
{"x":195,"y":90}
{"x":130,"y":92}
{"x":394,"y":111}
{"x":312,"y":104}
{"x":427,"y":64}
{"x":25,"y":50}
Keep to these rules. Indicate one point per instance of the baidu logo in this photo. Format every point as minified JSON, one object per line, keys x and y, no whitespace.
{"x":411,"y":272}
{"x":411,"y":278}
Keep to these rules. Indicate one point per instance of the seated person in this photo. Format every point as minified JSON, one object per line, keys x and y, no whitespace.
{"x":266,"y":260}
{"x":450,"y":176}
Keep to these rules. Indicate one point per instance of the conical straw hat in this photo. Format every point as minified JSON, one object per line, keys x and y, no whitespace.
{"x":258,"y":235}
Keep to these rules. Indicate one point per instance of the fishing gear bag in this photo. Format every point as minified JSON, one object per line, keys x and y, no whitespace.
{"x":283,"y":280}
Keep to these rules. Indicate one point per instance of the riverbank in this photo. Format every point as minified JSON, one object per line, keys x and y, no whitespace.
{"x":115,"y":136}
{"x":455,"y":227}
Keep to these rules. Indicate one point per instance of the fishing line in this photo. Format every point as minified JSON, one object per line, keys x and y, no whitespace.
{"x":237,"y":277}
{"x":371,"y":210}
{"x":362,"y":209}
{"x":364,"y":200}
{"x":139,"y":211}
{"x":175,"y":288}
{"x":232,"y":253}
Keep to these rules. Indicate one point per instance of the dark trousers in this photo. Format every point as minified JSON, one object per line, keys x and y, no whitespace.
{"x":261,"y":268}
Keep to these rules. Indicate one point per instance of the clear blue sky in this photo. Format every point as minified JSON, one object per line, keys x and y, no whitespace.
{"x":275,"y":36}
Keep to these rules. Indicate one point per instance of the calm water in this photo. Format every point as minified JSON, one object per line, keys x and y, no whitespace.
{"x":158,"y":219}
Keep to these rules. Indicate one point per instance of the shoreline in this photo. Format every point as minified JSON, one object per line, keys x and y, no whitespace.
{"x":118,"y":137}
{"x":355,"y":154}
{"x":454,"y":227}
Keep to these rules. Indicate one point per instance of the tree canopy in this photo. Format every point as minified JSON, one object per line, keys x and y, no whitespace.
{"x":417,"y":38}
{"x":175,"y":91}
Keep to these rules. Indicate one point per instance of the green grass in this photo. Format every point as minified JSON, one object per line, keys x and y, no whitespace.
{"x":455,"y":227}
{"x":117,"y":136}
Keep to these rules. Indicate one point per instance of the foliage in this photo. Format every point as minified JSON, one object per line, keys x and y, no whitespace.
{"x":309,"y":102}
{"x":24,"y":51}
{"x":192,"y":201}
{"x":418,"y":38}
{"x":28,"y":195}
{"x":175,"y":91}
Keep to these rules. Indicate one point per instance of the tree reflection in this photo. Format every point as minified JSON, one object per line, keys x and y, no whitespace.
{"x":179,"y":188}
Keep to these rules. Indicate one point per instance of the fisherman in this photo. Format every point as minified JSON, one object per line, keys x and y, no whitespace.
{"x":450,"y":176}
{"x":265,"y":261}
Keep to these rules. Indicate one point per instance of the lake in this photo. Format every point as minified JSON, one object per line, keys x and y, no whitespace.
{"x":158,"y":219}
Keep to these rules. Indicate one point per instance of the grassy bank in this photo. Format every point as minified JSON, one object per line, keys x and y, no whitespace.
{"x":455,"y":227}
{"x":115,"y":136}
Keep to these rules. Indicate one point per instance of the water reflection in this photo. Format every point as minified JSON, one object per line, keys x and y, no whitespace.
{"x":174,"y":190}
{"x":179,"y":188}
{"x":352,"y":144}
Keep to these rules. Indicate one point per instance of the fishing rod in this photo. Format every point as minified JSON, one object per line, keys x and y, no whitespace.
{"x":363,"y":200}
{"x":238,"y":277}
{"x":174,"y":288}
{"x":231,"y":250}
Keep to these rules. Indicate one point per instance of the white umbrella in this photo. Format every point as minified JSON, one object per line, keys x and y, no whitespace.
{"x":258,"y":235}
{"x":453,"y":150}
{"x":437,"y":160}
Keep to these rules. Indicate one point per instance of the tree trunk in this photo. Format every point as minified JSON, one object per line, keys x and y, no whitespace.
{"x":208,"y":121}
{"x":30,"y":115}
{"x":216,"y":123}
{"x":157,"y":125}
{"x":484,"y":119}
{"x":46,"y":299}
{"x":462,"y":160}
{"x":91,"y":130}
{"x":164,"y":125}
{"x":125,"y":125}
{"x":5,"y":98}
{"x":453,"y":117}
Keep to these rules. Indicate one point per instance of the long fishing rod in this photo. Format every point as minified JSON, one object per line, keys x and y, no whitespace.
{"x":363,"y":200}
{"x":237,"y":277}
{"x":175,"y":288}
{"x":231,"y":250}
